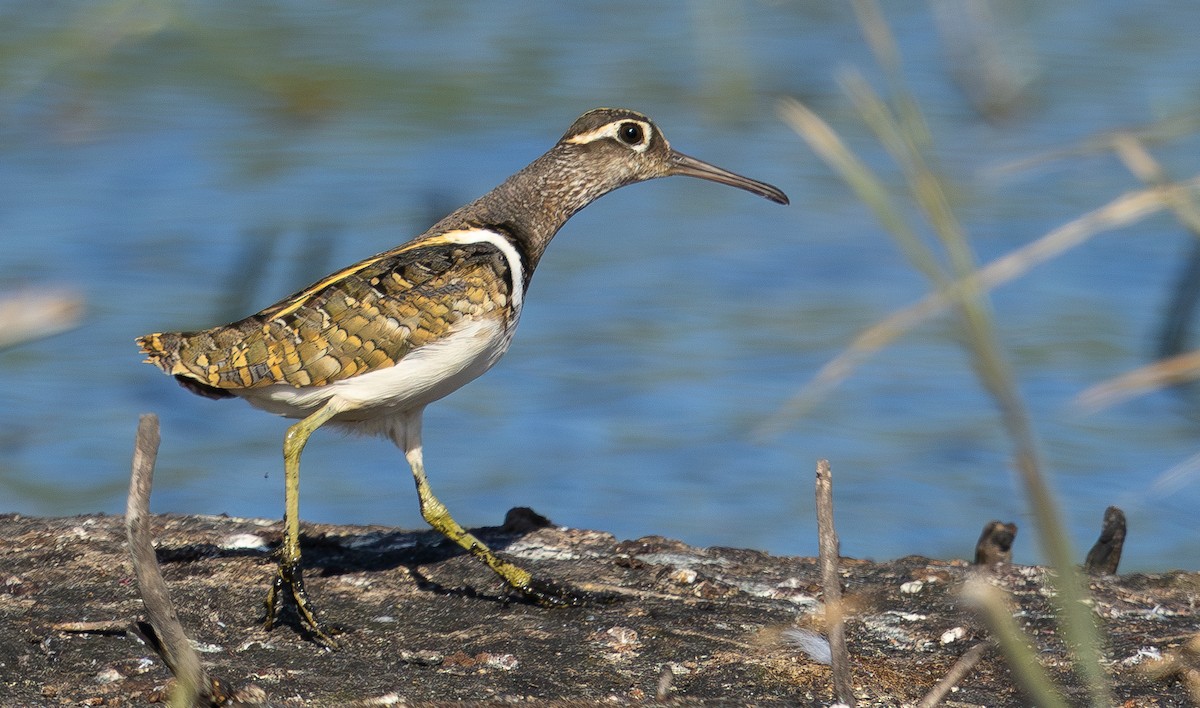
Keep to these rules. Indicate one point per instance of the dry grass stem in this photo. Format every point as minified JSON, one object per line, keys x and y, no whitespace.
{"x":866,"y":186}
{"x":1138,"y":160}
{"x":904,"y":143}
{"x":1182,"y":665}
{"x":1162,"y":131}
{"x":1146,"y":379}
{"x":1021,"y":657}
{"x":1177,"y":477}
{"x":899,"y":126}
{"x":1122,"y":211}
{"x":878,"y":34}
{"x":1165,"y":372}
{"x":29,"y":315}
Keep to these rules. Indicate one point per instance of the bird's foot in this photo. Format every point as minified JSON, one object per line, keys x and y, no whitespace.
{"x":289,"y":577}
{"x":549,"y":593}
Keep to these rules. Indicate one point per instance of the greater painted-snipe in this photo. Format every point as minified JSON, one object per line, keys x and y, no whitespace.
{"x":373,"y":344}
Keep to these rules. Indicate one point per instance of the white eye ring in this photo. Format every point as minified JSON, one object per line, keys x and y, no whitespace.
{"x":631,"y":133}
{"x":616,"y":131}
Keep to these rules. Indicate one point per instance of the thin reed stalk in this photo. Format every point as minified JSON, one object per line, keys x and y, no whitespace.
{"x":899,"y":125}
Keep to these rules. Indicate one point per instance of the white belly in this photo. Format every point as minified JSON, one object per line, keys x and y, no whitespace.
{"x":423,"y":376}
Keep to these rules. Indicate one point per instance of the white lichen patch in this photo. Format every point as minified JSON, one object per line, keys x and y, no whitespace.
{"x":504,"y":662}
{"x":380,"y":541}
{"x":679,"y":560}
{"x":532,"y":550}
{"x":890,"y":626}
{"x":243,"y":542}
{"x":682,"y":576}
{"x":952,"y":635}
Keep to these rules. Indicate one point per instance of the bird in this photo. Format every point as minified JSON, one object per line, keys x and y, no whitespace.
{"x":370,"y":346}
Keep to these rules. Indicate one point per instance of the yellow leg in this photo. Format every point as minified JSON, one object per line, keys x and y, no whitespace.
{"x":289,"y":572}
{"x":408,"y":436}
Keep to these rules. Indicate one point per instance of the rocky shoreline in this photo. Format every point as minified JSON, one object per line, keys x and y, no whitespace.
{"x":427,"y":624}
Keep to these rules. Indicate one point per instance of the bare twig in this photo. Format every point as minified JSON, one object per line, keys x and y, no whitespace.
{"x":843,"y":685}
{"x":113,"y":627}
{"x":965,"y":664}
{"x":193,"y":685}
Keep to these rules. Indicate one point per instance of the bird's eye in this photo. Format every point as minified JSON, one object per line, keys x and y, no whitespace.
{"x":630,"y":133}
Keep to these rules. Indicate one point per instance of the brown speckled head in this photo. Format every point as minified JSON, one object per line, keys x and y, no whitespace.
{"x":604,"y":149}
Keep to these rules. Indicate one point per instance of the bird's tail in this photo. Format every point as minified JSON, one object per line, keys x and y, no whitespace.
{"x":163,"y":350}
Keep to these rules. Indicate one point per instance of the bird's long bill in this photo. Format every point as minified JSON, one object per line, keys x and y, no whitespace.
{"x":685,"y":165}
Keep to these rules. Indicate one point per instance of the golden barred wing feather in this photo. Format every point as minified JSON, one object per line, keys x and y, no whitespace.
{"x":360,"y":319}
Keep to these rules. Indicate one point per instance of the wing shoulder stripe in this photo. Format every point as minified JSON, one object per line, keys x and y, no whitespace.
{"x":512,"y":256}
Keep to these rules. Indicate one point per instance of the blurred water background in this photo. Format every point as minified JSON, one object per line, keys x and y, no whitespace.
{"x":181,"y":165}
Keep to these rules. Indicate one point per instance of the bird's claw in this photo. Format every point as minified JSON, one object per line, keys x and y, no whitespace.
{"x":289,"y":576}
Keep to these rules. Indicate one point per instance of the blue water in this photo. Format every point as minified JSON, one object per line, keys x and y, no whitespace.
{"x":145,"y":156}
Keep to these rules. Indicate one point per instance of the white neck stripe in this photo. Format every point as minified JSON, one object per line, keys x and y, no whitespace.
{"x":515,"y":269}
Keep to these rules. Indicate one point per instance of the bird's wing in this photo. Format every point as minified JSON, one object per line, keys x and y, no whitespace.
{"x":363,"y":318}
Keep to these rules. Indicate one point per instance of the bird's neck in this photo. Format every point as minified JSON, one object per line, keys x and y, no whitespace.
{"x":533,"y":204}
